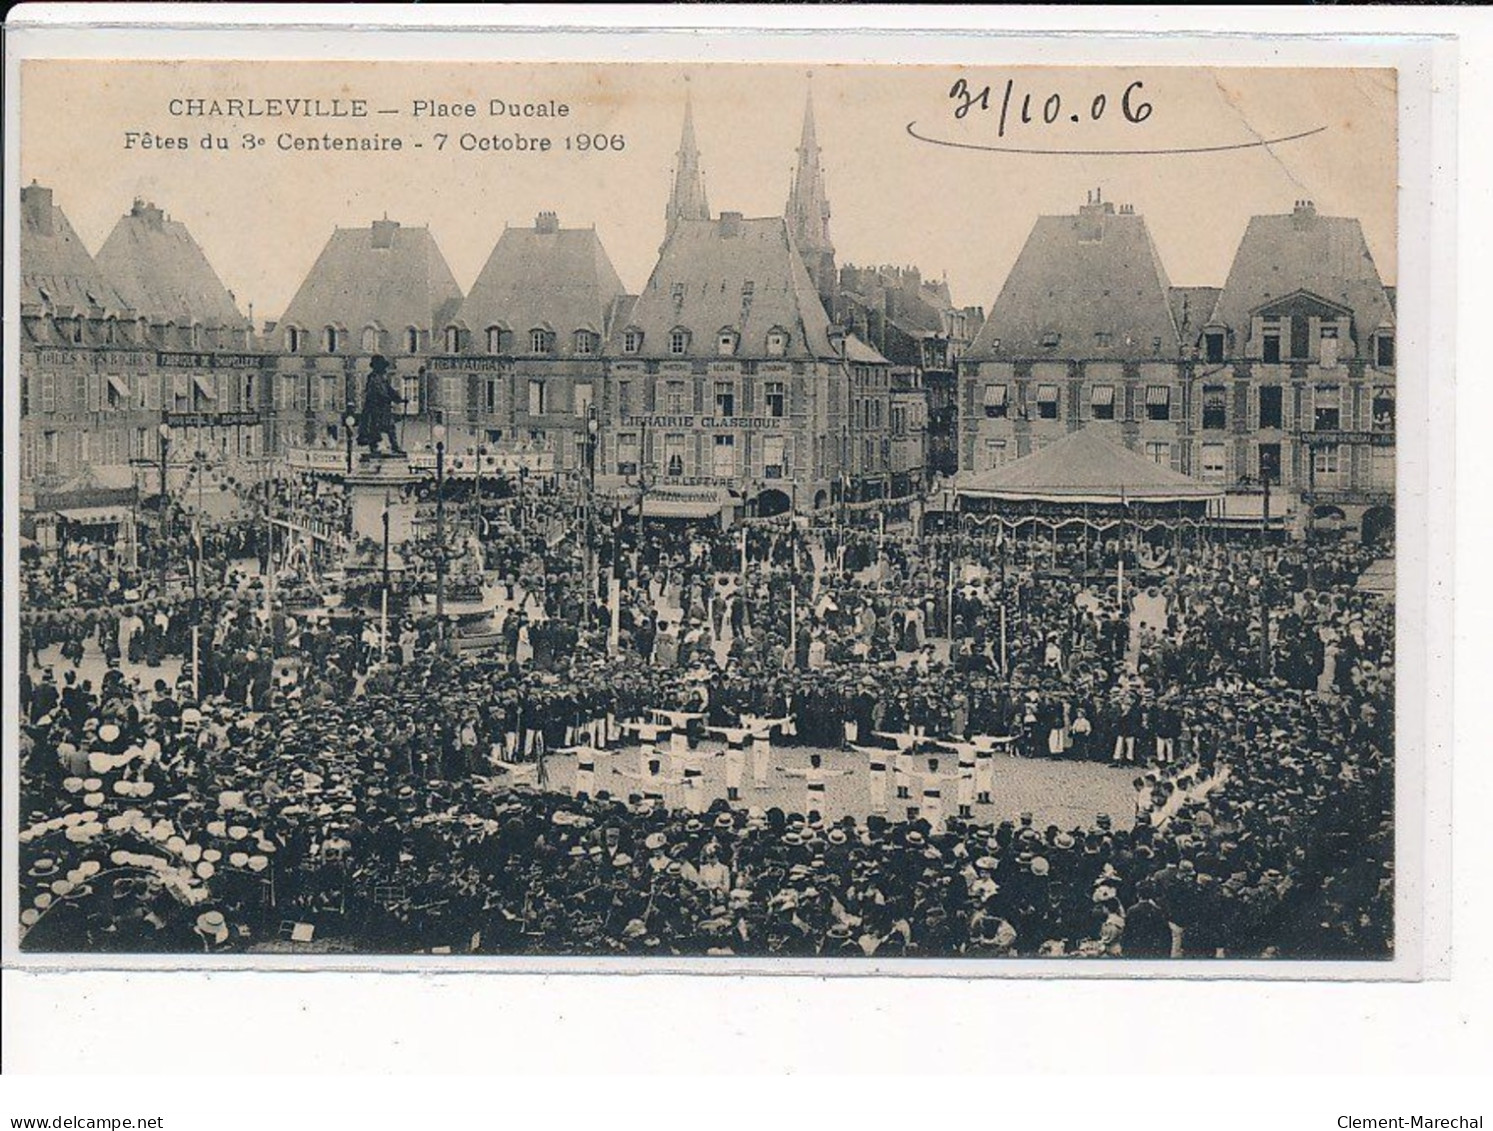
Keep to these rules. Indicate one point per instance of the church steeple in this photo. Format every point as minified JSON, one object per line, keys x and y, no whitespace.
{"x":807,"y":211}
{"x":687,"y":201}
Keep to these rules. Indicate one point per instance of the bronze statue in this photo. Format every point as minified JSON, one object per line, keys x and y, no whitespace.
{"x":376,"y":422}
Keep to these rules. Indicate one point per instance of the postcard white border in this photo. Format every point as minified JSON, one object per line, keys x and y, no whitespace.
{"x":1426,"y":327}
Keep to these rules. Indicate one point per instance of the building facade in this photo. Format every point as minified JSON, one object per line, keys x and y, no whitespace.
{"x":385,"y":289}
{"x":916,"y":326}
{"x":521,"y":366}
{"x":1289,"y":377}
{"x":726,"y":373}
{"x":121,"y":358}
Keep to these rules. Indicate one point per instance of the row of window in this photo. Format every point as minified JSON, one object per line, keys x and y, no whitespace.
{"x":1327,"y":405}
{"x":500,"y":341}
{"x":120,"y":332}
{"x":1289,"y":339}
{"x":49,"y":391}
{"x":676,"y":398}
{"x":723,"y":460}
{"x":1329,"y":462}
{"x":65,"y":453}
{"x":868,"y":413}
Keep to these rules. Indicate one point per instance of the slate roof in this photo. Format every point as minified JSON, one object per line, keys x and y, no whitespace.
{"x":1191,"y":309}
{"x":56,"y":270}
{"x":862,"y":353}
{"x":1086,"y":466}
{"x":711,"y":261}
{"x":160,"y":270}
{"x":1301,"y":251}
{"x":1080,"y":276}
{"x":385,"y":274}
{"x":560,"y":279}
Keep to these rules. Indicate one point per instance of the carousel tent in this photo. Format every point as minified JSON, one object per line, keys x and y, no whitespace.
{"x":1085,"y":468}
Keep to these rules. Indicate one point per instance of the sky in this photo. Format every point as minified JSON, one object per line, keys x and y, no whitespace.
{"x":963,"y":211}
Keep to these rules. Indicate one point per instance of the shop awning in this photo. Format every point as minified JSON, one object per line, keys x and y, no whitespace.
{"x":119,"y":385}
{"x":1251,"y":508}
{"x":205,"y":386}
{"x":678,"y":504}
{"x":95,"y":516}
{"x":1086,"y":468}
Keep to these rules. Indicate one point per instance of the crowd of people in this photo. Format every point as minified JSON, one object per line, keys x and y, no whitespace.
{"x":327,"y":777}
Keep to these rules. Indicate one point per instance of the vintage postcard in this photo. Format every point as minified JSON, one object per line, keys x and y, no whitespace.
{"x":719,"y":515}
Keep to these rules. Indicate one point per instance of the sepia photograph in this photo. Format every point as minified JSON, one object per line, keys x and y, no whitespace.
{"x":704,"y":511}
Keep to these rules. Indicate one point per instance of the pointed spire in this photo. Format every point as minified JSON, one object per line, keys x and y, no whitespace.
{"x":807,"y":211}
{"x":688,"y":200}
{"x":808,"y":143}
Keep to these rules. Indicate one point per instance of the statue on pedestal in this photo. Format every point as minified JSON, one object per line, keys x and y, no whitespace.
{"x":376,"y":421}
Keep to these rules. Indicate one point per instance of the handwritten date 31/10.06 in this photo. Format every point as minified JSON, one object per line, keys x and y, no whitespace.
{"x":1023,"y":110}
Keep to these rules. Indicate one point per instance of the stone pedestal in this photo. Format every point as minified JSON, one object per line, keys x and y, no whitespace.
{"x":379,"y":482}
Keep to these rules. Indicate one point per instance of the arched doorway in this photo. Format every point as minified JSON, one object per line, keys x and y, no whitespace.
{"x":772,"y":502}
{"x":821,"y":500}
{"x":1328,"y":521}
{"x":1379,"y":526}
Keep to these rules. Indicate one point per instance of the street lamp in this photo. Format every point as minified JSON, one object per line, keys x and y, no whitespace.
{"x":593,"y":428}
{"x":350,"y":421}
{"x":477,"y":491}
{"x":438,"y":433}
{"x":199,"y":466}
{"x":165,"y":433}
{"x":1265,"y":657}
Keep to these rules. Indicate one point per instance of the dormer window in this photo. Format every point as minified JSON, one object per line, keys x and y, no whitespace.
{"x":293,"y":339}
{"x":585,"y":342}
{"x":777,"y":342}
{"x":1384,"y":351}
{"x":370,"y":339}
{"x":632,"y":341}
{"x":496,"y":340}
{"x":539,"y":341}
{"x":678,"y":342}
{"x":1213,"y":346}
{"x":412,"y":339}
{"x":725,"y":343}
{"x":453,"y":339}
{"x":78,"y":330}
{"x":1270,"y":342}
{"x":330,"y":339}
{"x":1050,"y":340}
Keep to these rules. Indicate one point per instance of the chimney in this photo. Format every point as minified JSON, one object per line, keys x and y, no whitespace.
{"x":149,"y":213}
{"x":547,"y":222}
{"x":1305,"y":213}
{"x":730,"y":224}
{"x":383,"y":232}
{"x":36,"y":208}
{"x":1091,"y":218}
